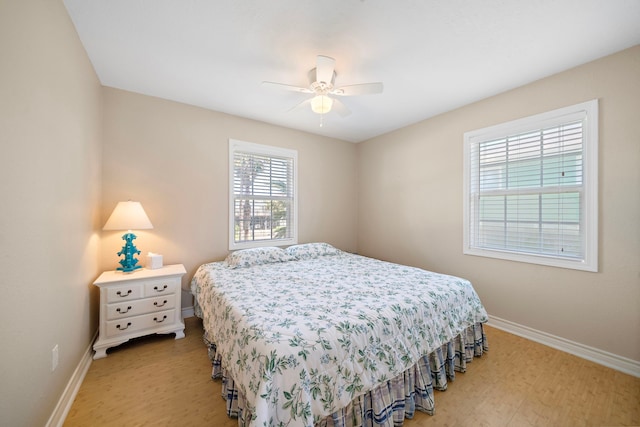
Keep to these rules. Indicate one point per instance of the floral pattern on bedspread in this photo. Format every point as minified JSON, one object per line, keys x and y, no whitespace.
{"x":304,"y":338}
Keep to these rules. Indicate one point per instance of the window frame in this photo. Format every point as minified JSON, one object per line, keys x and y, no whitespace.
{"x":588,"y":114}
{"x":269,"y":151}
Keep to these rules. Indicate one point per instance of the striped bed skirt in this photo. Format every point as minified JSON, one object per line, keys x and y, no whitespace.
{"x":390,"y":403}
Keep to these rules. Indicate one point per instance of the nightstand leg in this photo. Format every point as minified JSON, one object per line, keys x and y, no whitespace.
{"x":180,"y":333}
{"x":100,"y":353}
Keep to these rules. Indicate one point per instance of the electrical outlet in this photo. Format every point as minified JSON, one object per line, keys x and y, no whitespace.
{"x":54,"y":358}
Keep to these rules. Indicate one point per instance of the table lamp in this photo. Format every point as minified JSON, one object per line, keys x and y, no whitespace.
{"x":128,"y":216}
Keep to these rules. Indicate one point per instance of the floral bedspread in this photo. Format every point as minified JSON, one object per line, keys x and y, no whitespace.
{"x":304,"y":338}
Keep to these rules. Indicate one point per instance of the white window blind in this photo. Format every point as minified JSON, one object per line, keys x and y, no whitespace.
{"x":262,"y":195}
{"x":531,"y":189}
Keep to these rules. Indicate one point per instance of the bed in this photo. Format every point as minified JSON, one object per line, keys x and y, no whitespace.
{"x":315,"y":336}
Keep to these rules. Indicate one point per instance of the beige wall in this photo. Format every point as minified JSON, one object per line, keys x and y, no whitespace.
{"x":50,"y":136}
{"x":410,"y":208}
{"x":173,"y":159}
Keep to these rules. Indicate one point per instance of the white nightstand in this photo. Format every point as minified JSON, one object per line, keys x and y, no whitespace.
{"x":140,"y":303}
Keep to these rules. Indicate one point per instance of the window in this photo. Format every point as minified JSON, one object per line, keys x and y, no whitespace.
{"x":262,"y":195}
{"x":531,"y":189}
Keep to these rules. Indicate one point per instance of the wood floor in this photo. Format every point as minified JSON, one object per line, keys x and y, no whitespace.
{"x":158,"y":381}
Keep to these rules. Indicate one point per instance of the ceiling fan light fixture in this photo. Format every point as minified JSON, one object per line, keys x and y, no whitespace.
{"x":321,"y":104}
{"x":321,"y":89}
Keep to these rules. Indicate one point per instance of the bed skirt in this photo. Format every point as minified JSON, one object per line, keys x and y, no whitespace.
{"x":390,"y":403}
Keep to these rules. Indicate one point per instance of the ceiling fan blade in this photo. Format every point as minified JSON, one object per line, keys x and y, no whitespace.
{"x":300,"y":105}
{"x":359,"y":89}
{"x":340,"y":108}
{"x":287,"y":87}
{"x":324,"y":69}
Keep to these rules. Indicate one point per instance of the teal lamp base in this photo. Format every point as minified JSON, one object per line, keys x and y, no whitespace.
{"x":129,"y":250}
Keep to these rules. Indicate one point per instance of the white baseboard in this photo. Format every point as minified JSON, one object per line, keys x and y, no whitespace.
{"x":187,"y":312}
{"x":69,"y":394}
{"x":610,"y":360}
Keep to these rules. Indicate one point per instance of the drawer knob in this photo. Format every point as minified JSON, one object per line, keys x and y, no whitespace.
{"x":126,"y":327}
{"x":158,"y":305}
{"x":120,"y":294}
{"x":155,"y":288}
{"x":123,"y":312}
{"x":160,"y":321}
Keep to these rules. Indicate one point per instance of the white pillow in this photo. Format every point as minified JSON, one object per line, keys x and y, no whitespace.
{"x":257,"y":256}
{"x":311,"y":250}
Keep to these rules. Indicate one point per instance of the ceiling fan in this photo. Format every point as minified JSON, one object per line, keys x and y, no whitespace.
{"x":321,"y":86}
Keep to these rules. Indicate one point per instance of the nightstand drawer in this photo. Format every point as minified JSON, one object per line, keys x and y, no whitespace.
{"x":144,"y":302}
{"x":124,"y":293}
{"x":160,"y":287}
{"x":137,"y":323}
{"x":142,"y":306}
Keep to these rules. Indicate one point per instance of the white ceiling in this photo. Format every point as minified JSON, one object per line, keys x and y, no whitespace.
{"x":432,"y":55}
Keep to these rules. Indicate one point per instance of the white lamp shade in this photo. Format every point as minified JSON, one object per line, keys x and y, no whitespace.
{"x":128,"y":216}
{"x":321,"y":104}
